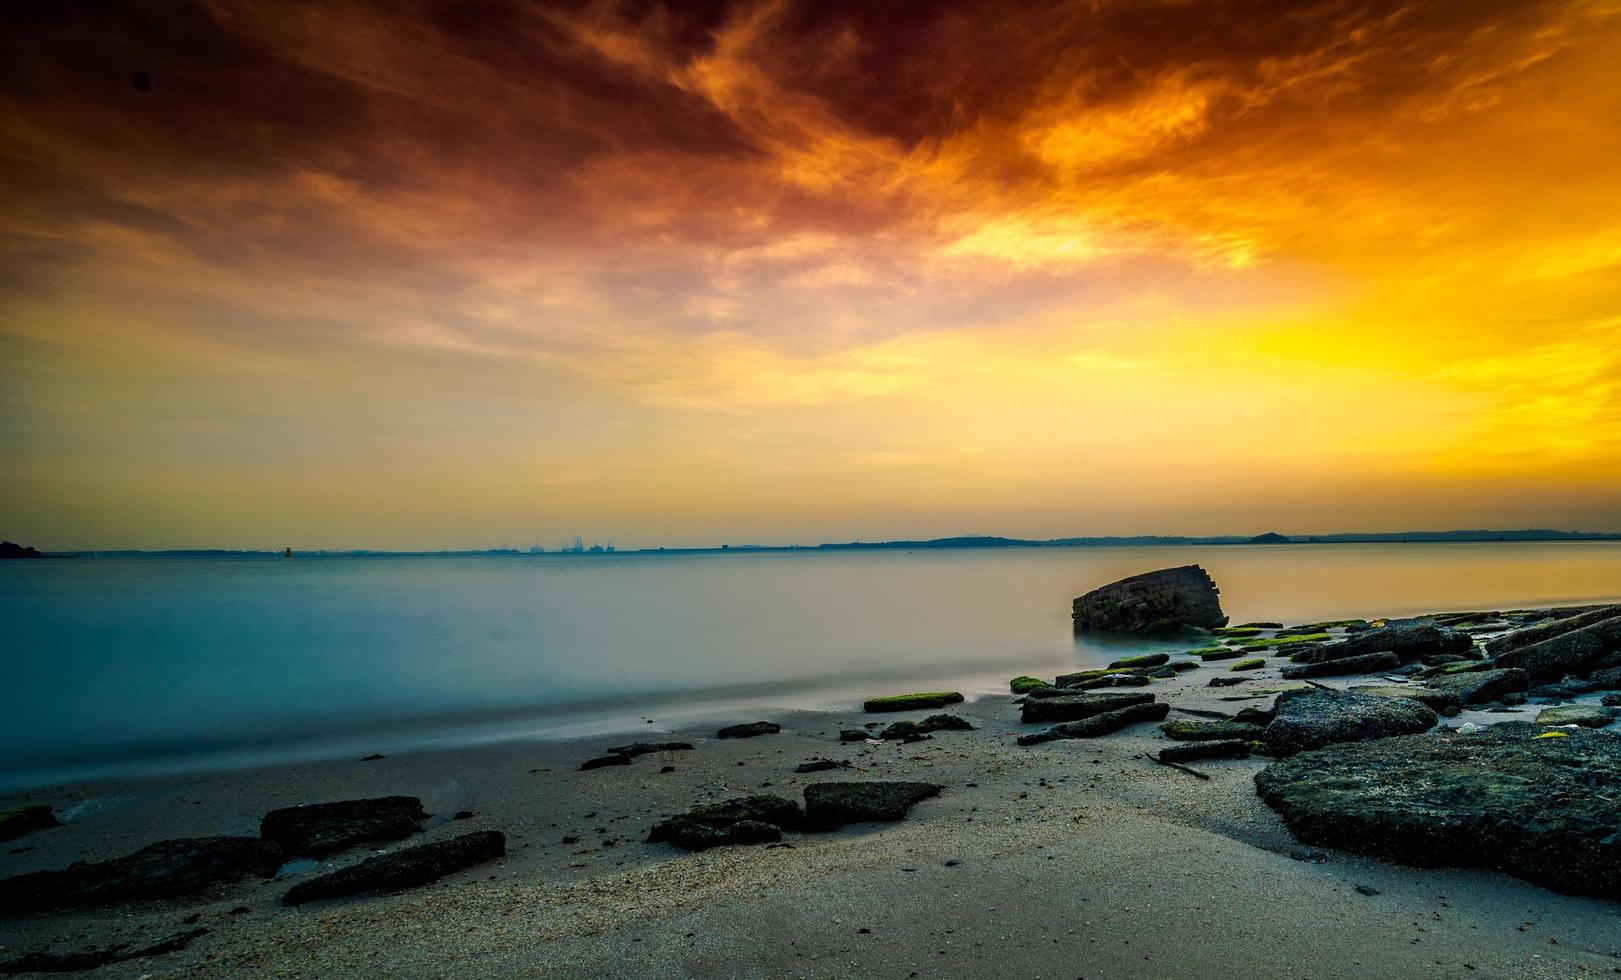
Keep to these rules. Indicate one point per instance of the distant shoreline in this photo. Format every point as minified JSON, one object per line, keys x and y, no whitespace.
{"x":953,"y":543}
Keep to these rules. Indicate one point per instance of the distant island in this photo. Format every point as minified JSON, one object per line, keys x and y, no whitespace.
{"x":963,"y":541}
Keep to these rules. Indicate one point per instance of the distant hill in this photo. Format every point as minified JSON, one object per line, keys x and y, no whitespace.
{"x":9,"y":549}
{"x":1270,"y":537}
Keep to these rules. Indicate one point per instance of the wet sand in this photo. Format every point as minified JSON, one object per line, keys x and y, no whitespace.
{"x":1069,"y":859}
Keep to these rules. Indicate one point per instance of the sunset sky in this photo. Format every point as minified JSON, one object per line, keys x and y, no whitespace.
{"x":424,"y":275}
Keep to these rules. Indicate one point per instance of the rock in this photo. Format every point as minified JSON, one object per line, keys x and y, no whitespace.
{"x":319,"y":829}
{"x":1368,"y":663}
{"x":1575,"y":652}
{"x":26,"y":819}
{"x":606,"y":760}
{"x":1146,"y":660}
{"x":1611,"y":701}
{"x":1254,"y":716}
{"x":1205,"y":731}
{"x":374,"y":757}
{"x":912,"y":702}
{"x":933,"y":723}
{"x":1192,"y":751}
{"x":44,"y":961}
{"x":1541,"y":809}
{"x":1585,"y":715}
{"x":1073,"y":707}
{"x":829,"y":806}
{"x":820,"y":765}
{"x":408,"y":867}
{"x":1441,"y":702}
{"x":163,"y":870}
{"x":1548,"y":629}
{"x":1025,"y":684}
{"x":1227,"y":681}
{"x":1161,"y":672}
{"x":1408,"y":639}
{"x":1481,"y":686}
{"x":1311,"y":719}
{"x":1100,"y":724}
{"x":749,"y":730}
{"x":1608,"y":679}
{"x":714,"y":824}
{"x":1105,"y":680}
{"x":646,"y":748}
{"x":1162,"y":601}
{"x":854,"y":735}
{"x":1255,"y":664}
{"x":463,"y":815}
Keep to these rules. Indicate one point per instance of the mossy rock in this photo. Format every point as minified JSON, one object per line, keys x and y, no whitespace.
{"x":1203,"y":650}
{"x":1146,"y":660}
{"x":1221,"y":655}
{"x":1255,"y":663}
{"x":1236,"y":631}
{"x":1287,"y":641}
{"x":1181,"y":665}
{"x":1260,"y":626}
{"x":1200,"y":731}
{"x":912,"y":702}
{"x":1024,"y":684}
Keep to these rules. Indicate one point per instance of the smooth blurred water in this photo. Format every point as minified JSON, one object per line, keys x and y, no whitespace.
{"x":130,"y":665}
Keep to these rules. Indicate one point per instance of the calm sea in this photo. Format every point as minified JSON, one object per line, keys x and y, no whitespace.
{"x":139,"y":665}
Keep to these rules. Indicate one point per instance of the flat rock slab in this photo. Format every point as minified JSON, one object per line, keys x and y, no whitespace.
{"x":1311,"y":719}
{"x":1100,"y":724}
{"x":744,"y":820}
{"x":1202,"y":731}
{"x":1409,"y":639}
{"x":1193,"y":751}
{"x":912,"y":702}
{"x":1585,"y":715}
{"x":1073,"y":707}
{"x":645,"y":748}
{"x":1162,"y":601}
{"x":408,"y":867}
{"x":25,"y":820}
{"x":1441,"y":702}
{"x":166,"y":869}
{"x":749,"y":729}
{"x":1548,"y":629}
{"x":1367,"y":663}
{"x":1576,"y":652}
{"x":319,"y":829}
{"x":1481,"y":686}
{"x":1547,"y":810}
{"x":829,"y":806}
{"x":1145,"y":660}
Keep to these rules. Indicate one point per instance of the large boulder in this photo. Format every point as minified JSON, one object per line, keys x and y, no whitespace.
{"x":1073,"y":707}
{"x":319,"y":829}
{"x":1543,"y":809}
{"x":1585,"y":715}
{"x":1576,"y":652}
{"x":1163,"y":601}
{"x":1408,"y":639}
{"x":744,"y":820}
{"x":1481,"y":686}
{"x":829,"y":806}
{"x":166,"y":869}
{"x":1314,"y":718}
{"x":408,"y":867}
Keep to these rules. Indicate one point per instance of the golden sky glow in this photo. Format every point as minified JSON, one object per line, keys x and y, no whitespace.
{"x":429,"y":275}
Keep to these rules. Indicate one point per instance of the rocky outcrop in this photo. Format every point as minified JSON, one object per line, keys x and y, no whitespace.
{"x":1548,"y":629}
{"x":1100,"y":724}
{"x":166,"y":869}
{"x":319,"y":829}
{"x":1408,"y":639}
{"x":1541,"y":809}
{"x":749,"y":729}
{"x":829,"y":806}
{"x":1481,"y":686}
{"x":25,"y":820}
{"x":1441,"y":702}
{"x":1162,"y":601}
{"x":408,"y":867}
{"x":744,"y":820}
{"x":1311,"y":719}
{"x":1578,"y":651}
{"x":1073,"y":707}
{"x":1367,"y":663}
{"x":933,"y":723}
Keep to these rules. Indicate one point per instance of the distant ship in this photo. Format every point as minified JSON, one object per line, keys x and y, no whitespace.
{"x":288,"y":553}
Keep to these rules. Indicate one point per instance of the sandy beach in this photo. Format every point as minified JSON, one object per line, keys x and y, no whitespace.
{"x":1078,"y":858}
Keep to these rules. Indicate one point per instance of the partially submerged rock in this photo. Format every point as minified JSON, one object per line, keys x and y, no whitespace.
{"x":1204,"y":731}
{"x":912,"y":702}
{"x":829,"y":806}
{"x":749,"y":729}
{"x":319,"y":829}
{"x":933,"y":723}
{"x":1314,"y":718}
{"x":744,"y":820}
{"x":1542,"y":809}
{"x":1585,"y":715}
{"x":1367,"y":663}
{"x":1073,"y":707}
{"x":26,"y":819}
{"x":1100,"y":724}
{"x":166,"y":869}
{"x":1162,"y":601}
{"x":408,"y":867}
